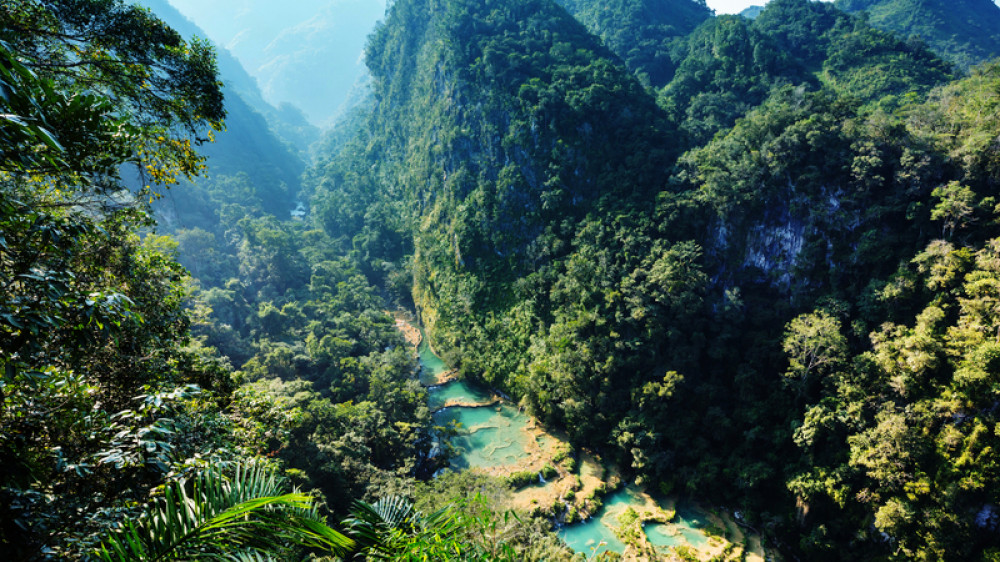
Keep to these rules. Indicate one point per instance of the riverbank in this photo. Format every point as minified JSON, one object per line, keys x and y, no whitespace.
{"x":575,"y":489}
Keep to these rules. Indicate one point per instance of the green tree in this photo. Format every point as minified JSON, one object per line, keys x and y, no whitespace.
{"x":815,"y":347}
{"x":91,"y":316}
{"x":955,"y":209}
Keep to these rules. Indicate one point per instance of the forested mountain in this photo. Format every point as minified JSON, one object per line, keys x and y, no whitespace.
{"x":286,"y":121}
{"x":644,"y":34}
{"x":964,"y":32}
{"x":749,"y":263}
{"x":306,"y":52}
{"x":634,"y":271}
{"x":730,"y":64}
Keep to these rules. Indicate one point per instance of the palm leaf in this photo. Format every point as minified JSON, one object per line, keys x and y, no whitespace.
{"x":392,"y":529}
{"x":251,"y":556}
{"x":211,"y":517}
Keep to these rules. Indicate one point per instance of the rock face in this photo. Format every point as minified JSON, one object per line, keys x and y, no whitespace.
{"x":775,"y":249}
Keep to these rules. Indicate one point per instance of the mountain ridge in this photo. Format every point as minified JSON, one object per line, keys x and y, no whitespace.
{"x":965,"y":32}
{"x":643,"y":33}
{"x":307,"y":54}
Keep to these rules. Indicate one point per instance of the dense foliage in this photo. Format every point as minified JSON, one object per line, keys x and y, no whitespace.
{"x":965,"y":32}
{"x":678,"y":282}
{"x":103,"y":392}
{"x":645,"y":34}
{"x":106,"y":398}
{"x":750,"y":261}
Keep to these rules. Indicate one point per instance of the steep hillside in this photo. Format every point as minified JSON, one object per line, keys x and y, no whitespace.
{"x":286,"y":121}
{"x":965,"y":32}
{"x":849,"y":55}
{"x":730,"y":64}
{"x":251,"y":147}
{"x":530,"y":174}
{"x":503,"y":134}
{"x":654,"y":278}
{"x":307,"y":52}
{"x":644,"y":33}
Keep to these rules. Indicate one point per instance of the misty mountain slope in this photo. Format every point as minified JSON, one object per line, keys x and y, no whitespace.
{"x":286,"y":121}
{"x":644,"y":33}
{"x":525,"y":111}
{"x":248,"y":145}
{"x":308,"y":52}
{"x":965,"y":32}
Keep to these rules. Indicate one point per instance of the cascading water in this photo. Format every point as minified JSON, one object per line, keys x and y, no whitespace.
{"x":495,"y":435}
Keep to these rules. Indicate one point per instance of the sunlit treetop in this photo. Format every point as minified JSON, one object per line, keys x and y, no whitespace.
{"x":85,"y":70}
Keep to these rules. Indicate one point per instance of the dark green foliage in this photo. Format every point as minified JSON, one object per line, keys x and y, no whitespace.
{"x":965,"y":32}
{"x":644,"y":33}
{"x":100,"y":36}
{"x":848,"y":54}
{"x":103,"y":393}
{"x":214,"y":515}
{"x":646,"y":304}
{"x":390,"y":529}
{"x":729,"y":67}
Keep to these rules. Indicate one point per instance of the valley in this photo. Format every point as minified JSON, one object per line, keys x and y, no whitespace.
{"x":558,"y":280}
{"x":595,"y":506}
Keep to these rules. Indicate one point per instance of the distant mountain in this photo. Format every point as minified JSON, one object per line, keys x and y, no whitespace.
{"x":965,"y":32}
{"x":730,"y":64}
{"x":307,"y":53}
{"x":264,"y":145}
{"x":644,"y":33}
{"x":287,"y":121}
{"x":752,"y":12}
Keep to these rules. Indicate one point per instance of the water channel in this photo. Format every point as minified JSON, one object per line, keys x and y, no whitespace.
{"x":498,"y":438}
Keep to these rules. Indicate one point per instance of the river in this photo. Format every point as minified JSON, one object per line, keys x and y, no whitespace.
{"x":498,"y":439}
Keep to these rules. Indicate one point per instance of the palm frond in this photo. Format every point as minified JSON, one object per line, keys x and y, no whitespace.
{"x":251,"y":556}
{"x":376,"y":528}
{"x":392,"y":529}
{"x":389,"y":512}
{"x":210,"y":516}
